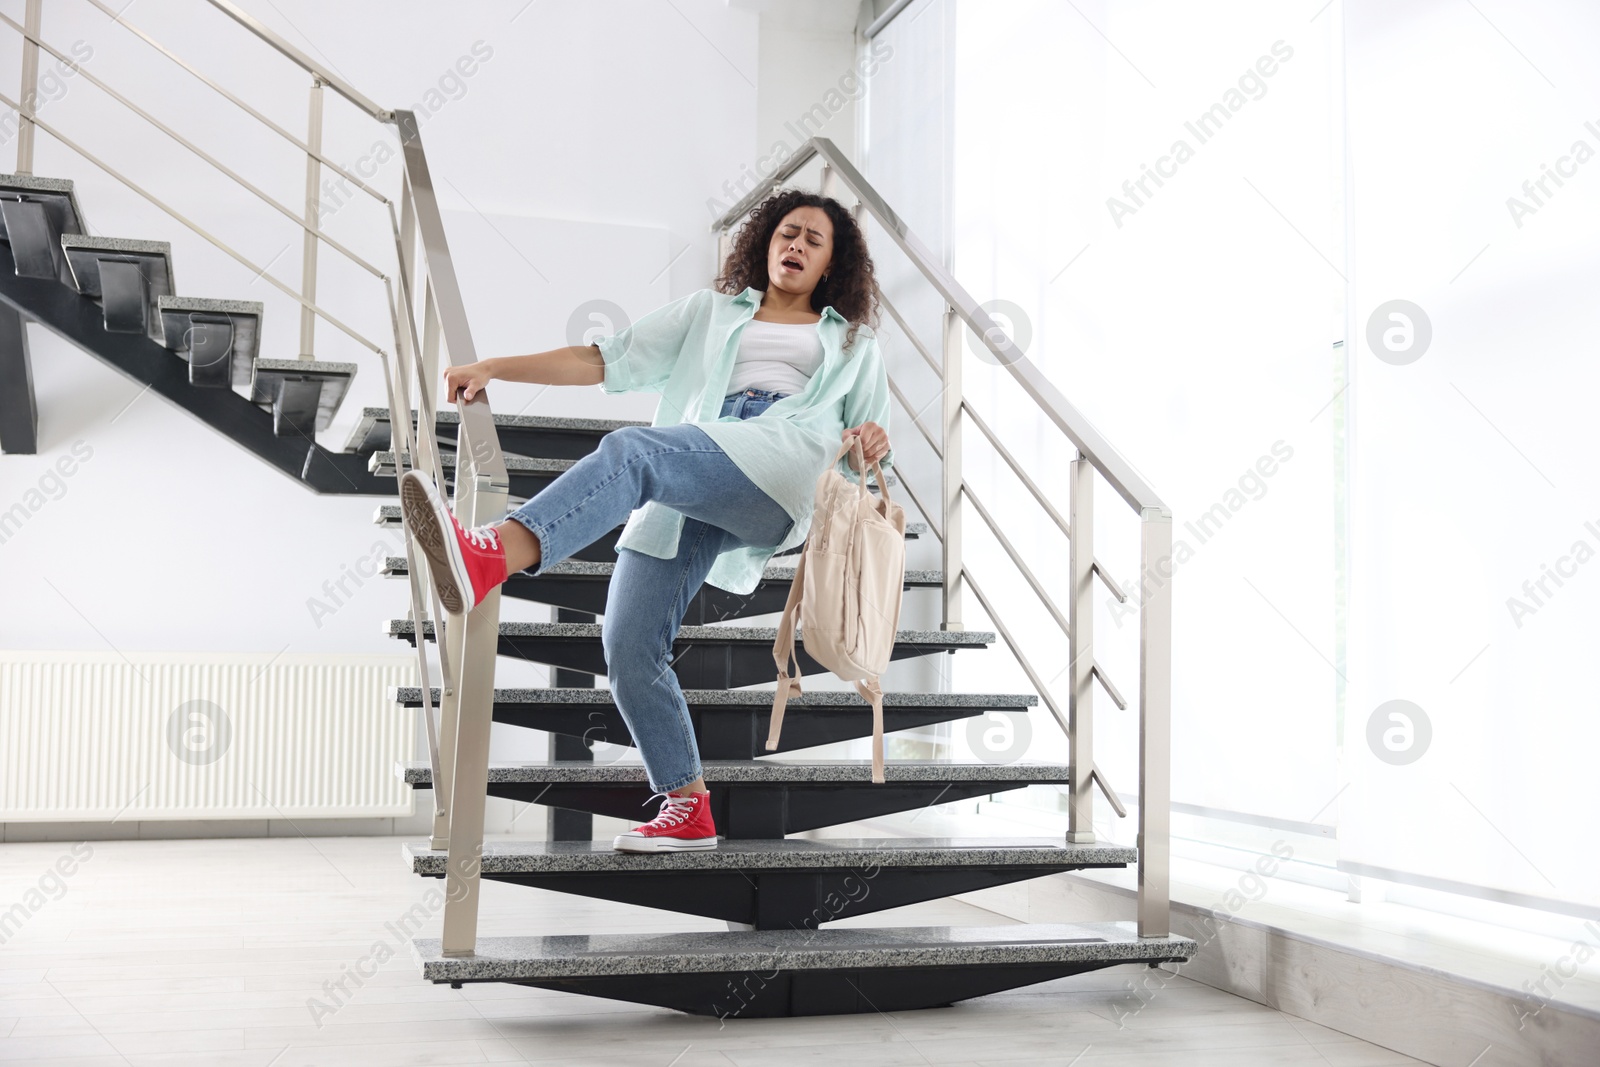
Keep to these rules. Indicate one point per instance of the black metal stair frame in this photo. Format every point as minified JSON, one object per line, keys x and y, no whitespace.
{"x":115,"y":299}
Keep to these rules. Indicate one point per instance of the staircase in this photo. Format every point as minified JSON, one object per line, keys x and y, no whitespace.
{"x":776,"y":893}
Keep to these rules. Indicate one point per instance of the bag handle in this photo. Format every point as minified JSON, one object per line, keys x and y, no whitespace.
{"x":861,"y":459}
{"x":783,"y":651}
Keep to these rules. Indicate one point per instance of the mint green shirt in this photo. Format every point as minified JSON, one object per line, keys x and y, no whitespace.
{"x":685,"y":351}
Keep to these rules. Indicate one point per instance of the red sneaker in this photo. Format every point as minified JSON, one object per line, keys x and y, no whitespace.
{"x":684,"y":823}
{"x":465,"y":564}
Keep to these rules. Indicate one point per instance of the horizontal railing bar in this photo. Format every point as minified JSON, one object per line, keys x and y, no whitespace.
{"x":1016,"y":557}
{"x":260,"y":272}
{"x":926,"y":434}
{"x":1038,"y":590}
{"x":1106,"y":580}
{"x":1038,"y":494}
{"x":1107,"y":790}
{"x":1016,"y":468}
{"x":1038,"y":685}
{"x":1116,"y":470}
{"x":303,"y":61}
{"x":252,"y":112}
{"x":1016,"y":650}
{"x":1105,"y":680}
{"x":911,"y":335}
{"x":203,"y":154}
{"x":937,"y":531}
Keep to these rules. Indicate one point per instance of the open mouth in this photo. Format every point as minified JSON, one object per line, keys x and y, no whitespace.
{"x":791,"y":263}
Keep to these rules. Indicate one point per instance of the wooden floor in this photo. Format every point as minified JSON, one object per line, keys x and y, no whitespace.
{"x":223,"y":953}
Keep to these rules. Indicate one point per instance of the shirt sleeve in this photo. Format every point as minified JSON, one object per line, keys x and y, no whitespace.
{"x":640,"y":357}
{"x":868,"y":401}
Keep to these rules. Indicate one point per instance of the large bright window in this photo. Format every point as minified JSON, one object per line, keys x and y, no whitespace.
{"x":1323,"y":274}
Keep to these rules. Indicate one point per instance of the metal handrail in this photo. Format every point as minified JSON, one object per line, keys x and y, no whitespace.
{"x":301,"y":60}
{"x":458,"y":743}
{"x":1095,"y":454}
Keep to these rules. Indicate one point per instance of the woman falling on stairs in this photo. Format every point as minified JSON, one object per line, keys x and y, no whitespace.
{"x":709,"y":492}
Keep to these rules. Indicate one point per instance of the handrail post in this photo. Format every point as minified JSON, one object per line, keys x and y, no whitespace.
{"x":1080,"y":651}
{"x":483,"y":487}
{"x":1155,"y":721}
{"x":30,"y":87}
{"x":308,"y":254}
{"x":474,"y":718}
{"x":950,"y":396}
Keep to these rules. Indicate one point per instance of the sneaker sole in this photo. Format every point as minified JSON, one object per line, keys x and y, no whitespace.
{"x":663,"y":844}
{"x":426,"y":515}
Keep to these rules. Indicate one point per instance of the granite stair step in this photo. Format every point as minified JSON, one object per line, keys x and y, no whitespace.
{"x":303,"y":394}
{"x":34,"y":214}
{"x":781,"y":884}
{"x":731,"y":724}
{"x":126,"y":275}
{"x":219,"y":339}
{"x":777,"y":973}
{"x":704,"y":657}
{"x":584,"y":585}
{"x":760,"y":798}
{"x":534,"y":436}
{"x":528,"y":476}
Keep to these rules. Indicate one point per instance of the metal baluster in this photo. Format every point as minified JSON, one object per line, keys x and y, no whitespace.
{"x":1080,"y":650}
{"x":950,"y":396}
{"x":30,"y":87}
{"x":308,"y":254}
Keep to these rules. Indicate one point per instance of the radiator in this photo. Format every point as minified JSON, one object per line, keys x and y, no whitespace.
{"x":86,"y":736}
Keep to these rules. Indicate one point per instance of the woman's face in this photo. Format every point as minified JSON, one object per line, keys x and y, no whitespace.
{"x":800,"y":251}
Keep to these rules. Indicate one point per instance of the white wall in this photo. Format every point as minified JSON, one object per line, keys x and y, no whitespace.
{"x":573,"y":165}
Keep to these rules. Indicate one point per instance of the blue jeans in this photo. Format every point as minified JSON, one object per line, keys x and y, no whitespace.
{"x":682,"y":468}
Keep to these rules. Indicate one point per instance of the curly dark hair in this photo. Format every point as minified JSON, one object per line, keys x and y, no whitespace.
{"x":851,"y":286}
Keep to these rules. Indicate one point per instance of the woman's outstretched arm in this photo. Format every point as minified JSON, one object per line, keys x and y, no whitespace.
{"x":575,"y":365}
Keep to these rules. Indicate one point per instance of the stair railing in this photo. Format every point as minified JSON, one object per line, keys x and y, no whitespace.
{"x":1095,"y":454}
{"x":426,"y":312}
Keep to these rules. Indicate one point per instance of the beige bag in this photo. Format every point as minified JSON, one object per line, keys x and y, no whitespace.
{"x":847,"y":590}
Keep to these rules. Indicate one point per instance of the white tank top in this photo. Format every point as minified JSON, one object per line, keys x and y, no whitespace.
{"x":776,"y":355}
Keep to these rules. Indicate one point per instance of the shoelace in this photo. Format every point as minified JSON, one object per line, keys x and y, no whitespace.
{"x":483,"y":537}
{"x":674,"y":811}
